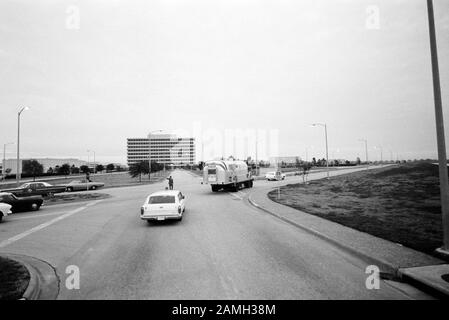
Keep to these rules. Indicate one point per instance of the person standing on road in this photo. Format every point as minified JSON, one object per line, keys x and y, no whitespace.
{"x":170,"y":183}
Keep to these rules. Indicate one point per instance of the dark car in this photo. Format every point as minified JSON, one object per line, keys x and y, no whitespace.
{"x":32,"y":203}
{"x":35,"y":188}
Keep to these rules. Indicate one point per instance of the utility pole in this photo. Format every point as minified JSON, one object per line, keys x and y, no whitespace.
{"x":366,"y":152}
{"x":149,"y":152}
{"x":18,"y":168}
{"x":327,"y":150}
{"x":4,"y":158}
{"x":442,"y":160}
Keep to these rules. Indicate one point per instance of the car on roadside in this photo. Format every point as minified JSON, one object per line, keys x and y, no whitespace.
{"x":274,"y":176}
{"x":31,"y":203}
{"x":35,"y":188}
{"x":81,"y":185}
{"x":5,"y":209}
{"x":163,"y":205}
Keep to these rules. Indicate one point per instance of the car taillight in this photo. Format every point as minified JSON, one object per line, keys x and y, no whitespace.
{"x":142,"y":210}
{"x":179,"y":209}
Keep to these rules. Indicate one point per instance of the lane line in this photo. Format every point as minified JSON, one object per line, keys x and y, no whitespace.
{"x":44,"y":225}
{"x":36,"y":216}
{"x":235,"y":196}
{"x":241,"y":193}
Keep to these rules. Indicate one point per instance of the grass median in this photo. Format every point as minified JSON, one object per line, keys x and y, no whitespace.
{"x":14,"y":279}
{"x":399,"y":203}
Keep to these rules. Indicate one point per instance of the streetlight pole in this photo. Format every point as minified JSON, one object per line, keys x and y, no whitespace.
{"x":18,"y":169}
{"x":4,"y":157}
{"x":149,"y":153}
{"x":381,"y":153}
{"x":366,"y":152}
{"x":442,"y":160}
{"x":95,"y":169}
{"x":327,"y":150}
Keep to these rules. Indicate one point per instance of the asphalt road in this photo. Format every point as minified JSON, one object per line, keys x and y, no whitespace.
{"x":223,"y":249}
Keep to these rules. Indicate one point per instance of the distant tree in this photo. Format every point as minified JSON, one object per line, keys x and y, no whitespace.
{"x":99,"y":168}
{"x":32,"y":167}
{"x":74,"y":170}
{"x":64,"y":169}
{"x":110,"y":167}
{"x":156,"y":166}
{"x":305,"y":171}
{"x":201,"y":165}
{"x":119,"y":168}
{"x":314,"y":162}
{"x":138,"y":168}
{"x":50,"y":170}
{"x":84,"y":169}
{"x":297,"y":163}
{"x":358,"y":161}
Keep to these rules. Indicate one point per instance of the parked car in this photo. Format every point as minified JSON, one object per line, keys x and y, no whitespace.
{"x":35,"y":188}
{"x":5,"y":209}
{"x":162,"y":205}
{"x":275,"y":175}
{"x":79,"y":185}
{"x":31,"y":203}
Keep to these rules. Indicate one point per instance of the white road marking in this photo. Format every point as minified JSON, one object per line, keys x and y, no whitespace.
{"x":44,"y":225}
{"x":235,"y":196}
{"x":241,"y":193}
{"x":32,"y":216}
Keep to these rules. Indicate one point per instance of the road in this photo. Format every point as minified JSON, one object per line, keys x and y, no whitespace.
{"x":223,"y":249}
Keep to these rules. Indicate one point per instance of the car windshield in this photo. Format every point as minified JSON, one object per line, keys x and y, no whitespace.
{"x":161,"y":199}
{"x":24,"y":186}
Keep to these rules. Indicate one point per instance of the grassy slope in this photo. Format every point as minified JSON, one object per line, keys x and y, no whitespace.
{"x":14,"y":279}
{"x":400,"y":204}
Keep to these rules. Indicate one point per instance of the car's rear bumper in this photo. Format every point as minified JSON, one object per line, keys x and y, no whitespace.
{"x":160,"y":216}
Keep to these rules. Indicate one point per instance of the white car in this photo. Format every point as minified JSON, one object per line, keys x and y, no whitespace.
{"x":162,"y":205}
{"x":275,"y":175}
{"x":5,"y":209}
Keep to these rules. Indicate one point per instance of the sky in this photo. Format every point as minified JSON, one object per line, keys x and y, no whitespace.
{"x":99,"y":71}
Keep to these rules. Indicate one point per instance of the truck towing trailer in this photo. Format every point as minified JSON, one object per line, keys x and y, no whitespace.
{"x":227,"y":174}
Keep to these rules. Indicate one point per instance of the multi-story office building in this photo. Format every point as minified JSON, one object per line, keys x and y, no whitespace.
{"x":166,"y":149}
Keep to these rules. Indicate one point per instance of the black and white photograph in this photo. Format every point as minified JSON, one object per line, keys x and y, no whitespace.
{"x":224,"y":156}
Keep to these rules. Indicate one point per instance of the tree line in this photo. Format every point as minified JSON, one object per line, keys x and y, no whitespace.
{"x":33,"y":168}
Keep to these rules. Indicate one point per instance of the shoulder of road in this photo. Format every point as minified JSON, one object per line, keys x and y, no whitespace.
{"x":393,"y":259}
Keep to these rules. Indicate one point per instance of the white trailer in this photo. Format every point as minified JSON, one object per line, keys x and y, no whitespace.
{"x":227,"y":174}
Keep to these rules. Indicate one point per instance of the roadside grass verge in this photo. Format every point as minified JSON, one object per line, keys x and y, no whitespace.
{"x":399,"y":203}
{"x":115,"y":179}
{"x":14,"y":279}
{"x":75,"y":197}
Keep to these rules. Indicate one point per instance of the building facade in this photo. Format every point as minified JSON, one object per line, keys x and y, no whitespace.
{"x":167,"y":149}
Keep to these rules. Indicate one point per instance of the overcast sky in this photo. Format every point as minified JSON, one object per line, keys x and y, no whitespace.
{"x":130,"y":67}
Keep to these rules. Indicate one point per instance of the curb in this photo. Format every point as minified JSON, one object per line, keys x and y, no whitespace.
{"x":44,"y":282}
{"x":388,"y":270}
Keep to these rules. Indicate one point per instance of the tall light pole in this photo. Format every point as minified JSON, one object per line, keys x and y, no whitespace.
{"x":442,"y":160}
{"x":327,"y":150}
{"x":366,"y":151}
{"x":18,"y":169}
{"x":381,"y":153}
{"x":149,"y":152}
{"x":4,"y":157}
{"x":95,"y":167}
